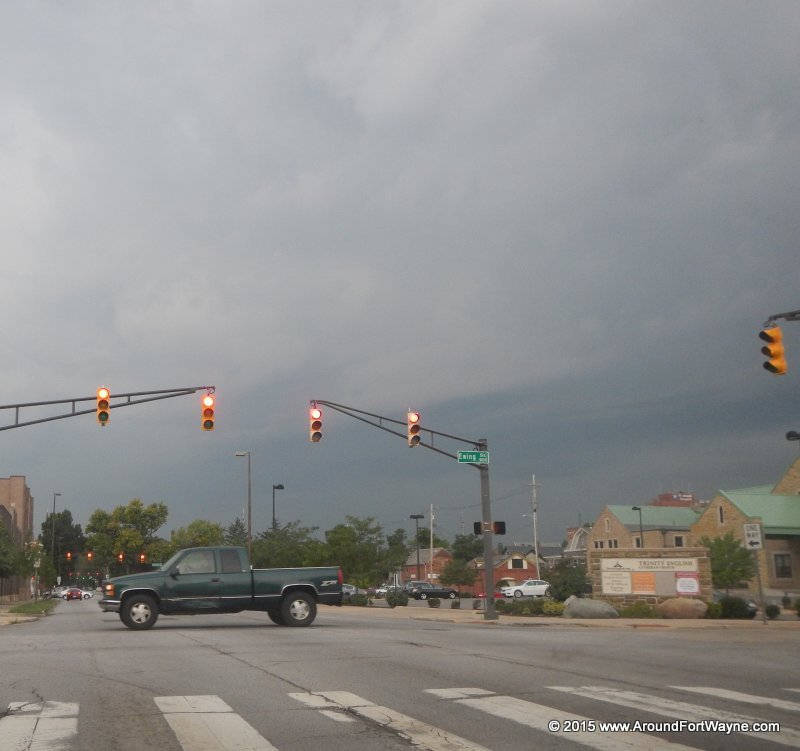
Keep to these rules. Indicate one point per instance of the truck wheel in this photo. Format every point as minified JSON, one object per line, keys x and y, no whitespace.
{"x":276,"y":617}
{"x":452,"y":595}
{"x":298,"y":609}
{"x":139,"y":612}
{"x":423,"y":596}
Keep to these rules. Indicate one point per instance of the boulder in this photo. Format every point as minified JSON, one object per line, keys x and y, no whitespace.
{"x":682,"y":607}
{"x":579,"y":607}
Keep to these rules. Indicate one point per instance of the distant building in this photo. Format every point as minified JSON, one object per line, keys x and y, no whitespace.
{"x":662,"y":527}
{"x":441,"y":557}
{"x":509,"y":568}
{"x":16,"y":499}
{"x":577,"y":542}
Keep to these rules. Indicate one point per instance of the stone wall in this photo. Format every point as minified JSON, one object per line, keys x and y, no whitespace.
{"x":789,"y":484}
{"x":594,"y":571}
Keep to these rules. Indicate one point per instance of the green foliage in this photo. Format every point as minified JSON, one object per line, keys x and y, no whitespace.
{"x":68,"y":536}
{"x":731,"y":564}
{"x":434,"y":602}
{"x":567,"y":580}
{"x":287,"y":546}
{"x":457,"y":573}
{"x":772,"y":611}
{"x":396,"y":597}
{"x":467,"y":547}
{"x":8,"y":554}
{"x":553,"y":607}
{"x":236,"y":533}
{"x":129,"y":529}
{"x":640,"y":609}
{"x":34,"y":607}
{"x":360,"y":601}
{"x":530,"y":607}
{"x":424,"y":539}
{"x":200,"y":533}
{"x":714,"y":610}
{"x":734,"y":607}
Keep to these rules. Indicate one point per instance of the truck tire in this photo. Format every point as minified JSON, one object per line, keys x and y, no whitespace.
{"x":139,"y":612}
{"x":423,"y":596}
{"x":298,"y":609}
{"x":452,"y":595}
{"x":276,"y":617}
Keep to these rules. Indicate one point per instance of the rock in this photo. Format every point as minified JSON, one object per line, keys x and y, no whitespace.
{"x":577,"y":607}
{"x":682,"y":607}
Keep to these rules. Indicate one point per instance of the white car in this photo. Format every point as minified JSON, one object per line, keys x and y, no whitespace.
{"x":530,"y":588}
{"x":87,"y":593}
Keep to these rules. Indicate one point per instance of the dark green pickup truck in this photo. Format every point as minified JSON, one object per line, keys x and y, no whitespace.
{"x":220,"y":580}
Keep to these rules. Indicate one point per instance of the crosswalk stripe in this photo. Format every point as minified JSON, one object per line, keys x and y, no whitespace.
{"x":723,"y":693}
{"x":457,"y":693}
{"x":206,"y":723}
{"x":419,"y":733}
{"x":43,"y":726}
{"x":678,"y":709}
{"x":539,"y":716}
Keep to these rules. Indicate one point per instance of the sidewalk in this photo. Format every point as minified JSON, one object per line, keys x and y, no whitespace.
{"x":475,"y":617}
{"x":8,"y":619}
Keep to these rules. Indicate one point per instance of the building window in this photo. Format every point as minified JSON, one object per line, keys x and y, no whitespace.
{"x":608,"y":525}
{"x":783,"y":565}
{"x":516,"y":563}
{"x":601,"y":543}
{"x":638,"y":541}
{"x":678,"y":541}
{"x":721,"y":513}
{"x":616,"y":544}
{"x":596,"y":544}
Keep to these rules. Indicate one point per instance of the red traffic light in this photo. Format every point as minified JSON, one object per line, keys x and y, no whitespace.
{"x":69,"y":556}
{"x":142,"y":557}
{"x":120,"y":557}
{"x":89,"y":555}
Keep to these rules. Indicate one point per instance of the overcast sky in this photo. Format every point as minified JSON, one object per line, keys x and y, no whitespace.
{"x":558,"y":225}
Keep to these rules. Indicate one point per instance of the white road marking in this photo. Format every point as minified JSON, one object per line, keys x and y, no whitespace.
{"x":539,"y":716}
{"x":44,"y":726}
{"x":206,"y":723}
{"x":457,"y":693}
{"x":312,"y":700}
{"x":679,"y":710}
{"x":419,"y":733}
{"x":723,"y":693}
{"x":338,"y":716}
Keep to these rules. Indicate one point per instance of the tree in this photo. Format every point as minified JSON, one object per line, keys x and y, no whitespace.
{"x":566,"y":580}
{"x":395,"y":554}
{"x":467,"y":547}
{"x":731,"y":564}
{"x":236,"y":533}
{"x":357,"y":546}
{"x":69,"y":537}
{"x":424,"y":539}
{"x":458,"y":573}
{"x":8,"y":554}
{"x":200,"y":533}
{"x":288,"y":546}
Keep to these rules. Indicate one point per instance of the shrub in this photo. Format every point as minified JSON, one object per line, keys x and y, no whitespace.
{"x":552,"y":607}
{"x":501,"y":606}
{"x":786,"y":601}
{"x":640,"y":609}
{"x":772,"y":611}
{"x":360,"y":600}
{"x":714,"y":610}
{"x":396,"y":597}
{"x":434,"y":602}
{"x":734,"y":607}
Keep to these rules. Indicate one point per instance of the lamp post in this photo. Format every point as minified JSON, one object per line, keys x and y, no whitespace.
{"x":279,"y":486}
{"x":641,"y":528}
{"x":249,"y":506}
{"x":53,"y":530}
{"x":416,"y":518}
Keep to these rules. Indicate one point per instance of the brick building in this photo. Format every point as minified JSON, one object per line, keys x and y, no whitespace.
{"x":441,"y":557}
{"x":777,"y":509}
{"x":16,"y":499}
{"x":511,"y":568}
{"x":662,"y":526}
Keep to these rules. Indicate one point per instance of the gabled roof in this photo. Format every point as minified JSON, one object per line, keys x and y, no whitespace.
{"x":780,"y":514}
{"x":656,"y":517}
{"x":424,"y":556}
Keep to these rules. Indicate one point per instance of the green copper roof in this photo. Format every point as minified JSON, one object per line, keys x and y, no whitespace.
{"x":780,"y":514}
{"x":656,"y":517}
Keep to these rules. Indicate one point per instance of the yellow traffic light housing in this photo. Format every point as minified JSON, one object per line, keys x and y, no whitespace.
{"x":103,"y":405}
{"x":314,"y":424}
{"x":413,"y":420}
{"x":773,"y":350}
{"x":208,"y":412}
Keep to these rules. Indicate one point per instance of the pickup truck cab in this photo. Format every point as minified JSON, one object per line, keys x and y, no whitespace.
{"x":221,"y":580}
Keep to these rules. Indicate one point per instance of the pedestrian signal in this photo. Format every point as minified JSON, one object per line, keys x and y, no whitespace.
{"x":499,"y":528}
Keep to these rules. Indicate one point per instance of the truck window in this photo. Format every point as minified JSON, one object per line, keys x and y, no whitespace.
{"x":197,"y":562}
{"x":230,"y":561}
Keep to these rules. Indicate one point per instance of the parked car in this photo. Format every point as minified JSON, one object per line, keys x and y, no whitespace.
{"x":408,"y":586}
{"x":424,"y":590}
{"x":73,"y":593}
{"x":381,"y":591}
{"x":528,"y":588}
{"x":87,"y":593}
{"x":348,"y":590}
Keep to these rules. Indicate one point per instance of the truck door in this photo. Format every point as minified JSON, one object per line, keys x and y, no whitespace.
{"x":193,"y":583}
{"x":236,"y":579}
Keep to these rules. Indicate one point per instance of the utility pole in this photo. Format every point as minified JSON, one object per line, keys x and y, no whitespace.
{"x":430,"y":554}
{"x":488,"y":542}
{"x":535,"y":504}
{"x":416,"y":518}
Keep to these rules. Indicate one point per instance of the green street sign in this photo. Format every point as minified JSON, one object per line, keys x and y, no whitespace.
{"x":473,"y":457}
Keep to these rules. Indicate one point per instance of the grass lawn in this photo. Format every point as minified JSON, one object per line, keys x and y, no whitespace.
{"x":33,"y":607}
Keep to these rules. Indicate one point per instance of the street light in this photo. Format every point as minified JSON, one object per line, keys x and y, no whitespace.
{"x":641,"y":528}
{"x":274,"y":520}
{"x":249,"y":507}
{"x":416,"y":518}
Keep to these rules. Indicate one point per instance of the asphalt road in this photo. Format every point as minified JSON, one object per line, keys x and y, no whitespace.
{"x":79,"y":681}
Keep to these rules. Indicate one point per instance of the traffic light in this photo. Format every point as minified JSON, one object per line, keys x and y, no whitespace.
{"x":314,"y":424}
{"x":773,"y":350}
{"x":103,"y":405}
{"x":499,"y":528}
{"x":208,"y":412}
{"x":69,"y":556}
{"x":142,"y":557}
{"x":89,"y":556}
{"x":477,"y":528}
{"x":413,"y":419}
{"x":120,"y":557}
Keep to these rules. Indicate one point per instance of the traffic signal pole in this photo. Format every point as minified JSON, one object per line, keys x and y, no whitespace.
{"x":490,"y":613}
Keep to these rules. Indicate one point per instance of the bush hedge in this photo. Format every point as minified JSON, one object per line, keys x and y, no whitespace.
{"x":639,"y":609}
{"x":396,"y":597}
{"x":772,"y":612}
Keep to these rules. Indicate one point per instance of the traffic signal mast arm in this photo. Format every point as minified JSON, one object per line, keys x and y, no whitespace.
{"x":345,"y":410}
{"x":159,"y":394}
{"x":792,"y":315}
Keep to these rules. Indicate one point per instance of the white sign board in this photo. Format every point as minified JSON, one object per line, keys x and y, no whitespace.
{"x":752,"y":536}
{"x":648,"y":564}
{"x":687,"y":584}
{"x":616,"y":582}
